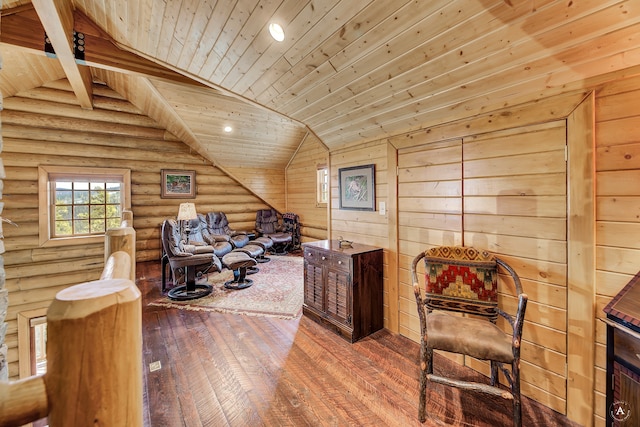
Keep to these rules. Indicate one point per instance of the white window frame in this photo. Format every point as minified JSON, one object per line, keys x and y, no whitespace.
{"x":322,"y":171}
{"x":45,"y":200}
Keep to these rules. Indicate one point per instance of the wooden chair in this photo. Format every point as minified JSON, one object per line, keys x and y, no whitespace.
{"x":464,"y":280}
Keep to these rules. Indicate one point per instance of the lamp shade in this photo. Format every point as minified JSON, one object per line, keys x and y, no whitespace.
{"x":187,"y":212}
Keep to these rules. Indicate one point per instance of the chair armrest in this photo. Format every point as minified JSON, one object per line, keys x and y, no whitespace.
{"x":519,"y":319}
{"x":203,"y":249}
{"x":191,"y":249}
{"x":418,"y":294}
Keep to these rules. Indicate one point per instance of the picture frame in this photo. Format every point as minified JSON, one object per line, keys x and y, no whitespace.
{"x":357,"y":188}
{"x":178,"y":184}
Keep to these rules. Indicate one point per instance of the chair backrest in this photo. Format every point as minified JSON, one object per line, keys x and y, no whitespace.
{"x":196,"y":231}
{"x":461,"y":279}
{"x":267,"y":221}
{"x":171,"y":237}
{"x":216,"y":223}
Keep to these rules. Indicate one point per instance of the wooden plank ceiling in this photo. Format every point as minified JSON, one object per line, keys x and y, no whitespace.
{"x":348,"y":71}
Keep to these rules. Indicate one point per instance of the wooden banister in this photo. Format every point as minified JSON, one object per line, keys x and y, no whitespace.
{"x":122,"y":238}
{"x":94,"y":352}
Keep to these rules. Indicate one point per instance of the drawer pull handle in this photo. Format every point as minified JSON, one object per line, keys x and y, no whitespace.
{"x":339,"y":262}
{"x":324,"y":257}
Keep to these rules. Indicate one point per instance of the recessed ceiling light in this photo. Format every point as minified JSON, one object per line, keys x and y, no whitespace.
{"x":276,"y":31}
{"x":228,"y":129}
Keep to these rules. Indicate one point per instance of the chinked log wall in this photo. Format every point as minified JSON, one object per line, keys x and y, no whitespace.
{"x":44,"y":126}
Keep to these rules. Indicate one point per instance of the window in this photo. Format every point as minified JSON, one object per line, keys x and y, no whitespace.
{"x":32,"y":347}
{"x":81,"y":203}
{"x":32,"y":342}
{"x":322,"y":190}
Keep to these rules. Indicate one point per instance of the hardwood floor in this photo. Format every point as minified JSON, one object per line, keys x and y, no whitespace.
{"x":235,"y":370}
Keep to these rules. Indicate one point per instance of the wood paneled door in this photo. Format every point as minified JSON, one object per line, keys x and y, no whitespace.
{"x":505,"y":191}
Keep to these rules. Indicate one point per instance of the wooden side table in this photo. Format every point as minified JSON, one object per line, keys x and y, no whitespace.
{"x":623,"y":356}
{"x":343,"y":288}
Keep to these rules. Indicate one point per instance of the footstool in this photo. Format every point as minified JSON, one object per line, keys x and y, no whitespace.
{"x":266,"y":244}
{"x":238,"y":262}
{"x":254,"y":251}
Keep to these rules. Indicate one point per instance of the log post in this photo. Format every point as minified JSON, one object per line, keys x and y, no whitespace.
{"x":23,"y":401}
{"x":122,"y":238}
{"x":94,"y":363}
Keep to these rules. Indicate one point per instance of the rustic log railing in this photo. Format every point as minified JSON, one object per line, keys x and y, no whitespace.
{"x":122,"y":239}
{"x":94,"y":351}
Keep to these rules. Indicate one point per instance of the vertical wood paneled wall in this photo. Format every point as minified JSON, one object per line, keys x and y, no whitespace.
{"x":617,"y":206}
{"x":520,"y":148}
{"x":367,"y":227}
{"x":301,"y":188}
{"x":504,"y":191}
{"x":44,"y":127}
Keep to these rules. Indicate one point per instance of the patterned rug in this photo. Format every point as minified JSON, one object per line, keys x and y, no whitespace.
{"x":277,"y":291}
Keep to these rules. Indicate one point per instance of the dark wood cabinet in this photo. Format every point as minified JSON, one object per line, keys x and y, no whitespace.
{"x":623,"y":356}
{"x":343,"y":287}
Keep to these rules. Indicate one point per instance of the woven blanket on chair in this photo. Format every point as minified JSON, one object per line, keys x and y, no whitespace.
{"x":461,"y":279}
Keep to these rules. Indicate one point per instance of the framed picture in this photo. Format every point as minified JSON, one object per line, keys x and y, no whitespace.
{"x":357,"y":188}
{"x":178,"y":184}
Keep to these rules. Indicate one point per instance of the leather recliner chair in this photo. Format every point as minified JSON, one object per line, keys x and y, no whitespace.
{"x":185,"y":264}
{"x":268,"y":225}
{"x":217,"y":228}
{"x":199,"y":235}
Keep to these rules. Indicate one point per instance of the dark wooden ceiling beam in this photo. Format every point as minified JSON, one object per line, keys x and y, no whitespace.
{"x":57,"y":19}
{"x":100,"y":50}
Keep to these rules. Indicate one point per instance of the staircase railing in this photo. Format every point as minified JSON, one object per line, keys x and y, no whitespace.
{"x":94,"y":350}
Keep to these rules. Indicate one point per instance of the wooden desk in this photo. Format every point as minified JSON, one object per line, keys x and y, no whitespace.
{"x":623,"y":356}
{"x":343,"y":287}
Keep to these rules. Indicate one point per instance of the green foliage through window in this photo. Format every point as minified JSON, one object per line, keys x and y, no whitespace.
{"x":86,"y":208}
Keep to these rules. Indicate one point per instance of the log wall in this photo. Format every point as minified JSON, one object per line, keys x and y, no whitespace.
{"x":4,"y":301}
{"x":44,"y":126}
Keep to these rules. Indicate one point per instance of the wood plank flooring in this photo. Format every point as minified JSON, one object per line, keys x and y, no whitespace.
{"x":235,"y":370}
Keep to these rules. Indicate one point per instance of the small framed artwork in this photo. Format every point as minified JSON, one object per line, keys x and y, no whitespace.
{"x":178,"y":184}
{"x":357,"y":188}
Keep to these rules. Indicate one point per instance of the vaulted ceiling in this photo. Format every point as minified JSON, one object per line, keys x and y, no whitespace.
{"x":348,"y":71}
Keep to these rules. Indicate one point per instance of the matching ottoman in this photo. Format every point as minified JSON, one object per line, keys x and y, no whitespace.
{"x":265,"y":243}
{"x":254,"y":251}
{"x":239,"y":262}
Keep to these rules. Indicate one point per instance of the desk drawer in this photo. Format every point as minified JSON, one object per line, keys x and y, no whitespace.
{"x":340,"y":262}
{"x":316,"y":256}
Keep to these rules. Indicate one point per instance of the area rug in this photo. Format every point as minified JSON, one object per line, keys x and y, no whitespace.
{"x":277,"y":291}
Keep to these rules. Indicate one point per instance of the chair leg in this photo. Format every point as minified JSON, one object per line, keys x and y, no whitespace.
{"x":494,"y":374}
{"x":515,"y":390}
{"x":426,"y":366}
{"x":164,"y":262}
